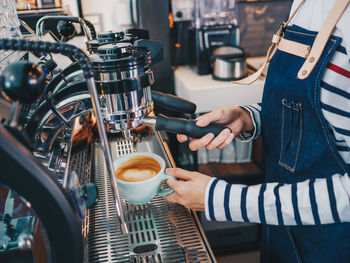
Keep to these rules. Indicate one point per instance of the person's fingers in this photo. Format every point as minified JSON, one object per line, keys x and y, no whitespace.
{"x":178,"y":173}
{"x":208,"y":118}
{"x":172,"y":198}
{"x":227,"y":141}
{"x":181,"y":137}
{"x":189,"y":193}
{"x":236,"y":127}
{"x":172,"y":183}
{"x":221,"y":138}
{"x":194,"y":145}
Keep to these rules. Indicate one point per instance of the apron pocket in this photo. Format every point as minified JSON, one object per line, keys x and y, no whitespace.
{"x":291,"y":134}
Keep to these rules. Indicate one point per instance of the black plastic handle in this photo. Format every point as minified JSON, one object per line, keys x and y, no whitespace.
{"x":138,"y":32}
{"x":188,"y":127}
{"x":155,"y":47}
{"x":173,"y":103}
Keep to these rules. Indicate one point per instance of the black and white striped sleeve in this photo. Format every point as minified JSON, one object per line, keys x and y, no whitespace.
{"x":254,"y":111}
{"x":311,"y":202}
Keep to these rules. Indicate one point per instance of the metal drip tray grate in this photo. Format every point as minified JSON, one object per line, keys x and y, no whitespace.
{"x":159,"y":232}
{"x":81,"y":165}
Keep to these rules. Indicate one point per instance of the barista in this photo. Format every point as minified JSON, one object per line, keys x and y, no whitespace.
{"x":304,"y":121}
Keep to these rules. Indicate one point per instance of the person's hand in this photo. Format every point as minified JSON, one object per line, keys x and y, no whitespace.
{"x":191,"y":191}
{"x":236,"y":118}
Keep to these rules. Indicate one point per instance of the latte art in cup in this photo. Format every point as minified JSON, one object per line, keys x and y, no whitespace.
{"x":138,"y":168}
{"x":140,"y":176}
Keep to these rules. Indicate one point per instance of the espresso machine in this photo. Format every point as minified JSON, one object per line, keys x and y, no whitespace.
{"x":215,"y":26}
{"x":91,"y":113}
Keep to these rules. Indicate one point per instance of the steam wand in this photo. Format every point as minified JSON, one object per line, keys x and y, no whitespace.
{"x":83,"y":60}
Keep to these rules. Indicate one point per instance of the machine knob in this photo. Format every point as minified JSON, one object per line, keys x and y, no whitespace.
{"x":23,"y":81}
{"x":66,"y":29}
{"x":179,"y":14}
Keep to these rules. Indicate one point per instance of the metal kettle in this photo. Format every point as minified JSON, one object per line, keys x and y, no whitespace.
{"x":229,"y":63}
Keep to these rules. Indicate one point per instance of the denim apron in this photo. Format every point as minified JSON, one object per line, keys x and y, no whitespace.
{"x":298,"y":146}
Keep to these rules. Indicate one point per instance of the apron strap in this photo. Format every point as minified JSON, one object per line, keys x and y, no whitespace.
{"x":276,"y":39}
{"x":294,"y":48}
{"x":312,"y":55}
{"x":322,"y":38}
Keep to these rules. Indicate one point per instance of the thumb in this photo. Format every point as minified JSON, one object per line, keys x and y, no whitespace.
{"x":208,"y":118}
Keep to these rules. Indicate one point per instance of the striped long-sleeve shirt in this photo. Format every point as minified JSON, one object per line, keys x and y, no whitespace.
{"x":315,"y":201}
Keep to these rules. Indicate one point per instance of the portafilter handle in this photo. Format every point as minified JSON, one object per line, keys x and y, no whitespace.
{"x":86,"y":66}
{"x":183,"y":126}
{"x":173,"y":103}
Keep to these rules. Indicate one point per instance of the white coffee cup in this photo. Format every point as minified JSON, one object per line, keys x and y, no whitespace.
{"x":141,"y":192}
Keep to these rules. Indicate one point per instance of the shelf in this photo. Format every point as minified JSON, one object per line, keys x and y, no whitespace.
{"x":40,"y":11}
{"x":209,"y":94}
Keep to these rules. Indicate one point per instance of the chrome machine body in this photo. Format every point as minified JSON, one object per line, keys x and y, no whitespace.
{"x":158,"y":231}
{"x":71,"y":142}
{"x":123,"y":78}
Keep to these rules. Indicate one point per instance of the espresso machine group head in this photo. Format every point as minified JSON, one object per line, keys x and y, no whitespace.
{"x":112,"y":37}
{"x":123,"y":79}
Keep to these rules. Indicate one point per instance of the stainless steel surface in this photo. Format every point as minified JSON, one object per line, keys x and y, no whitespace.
{"x":120,"y":75}
{"x":106,"y":150}
{"x":229,"y":69}
{"x":149,"y":121}
{"x":123,"y":77}
{"x":229,"y":63}
{"x":159,"y":231}
{"x":51,"y":126}
{"x":227,"y":50}
{"x":125,"y":110}
{"x":28,"y":28}
{"x":15,"y":113}
{"x":75,"y":76}
{"x":52,"y":129}
{"x":25,"y":241}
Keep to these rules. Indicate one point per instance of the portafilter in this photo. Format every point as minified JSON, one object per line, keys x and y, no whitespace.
{"x":123,"y":79}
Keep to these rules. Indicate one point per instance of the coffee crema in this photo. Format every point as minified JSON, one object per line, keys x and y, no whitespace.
{"x":138,"y":168}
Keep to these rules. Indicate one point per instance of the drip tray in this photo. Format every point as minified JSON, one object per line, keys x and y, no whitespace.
{"x":159,"y":231}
